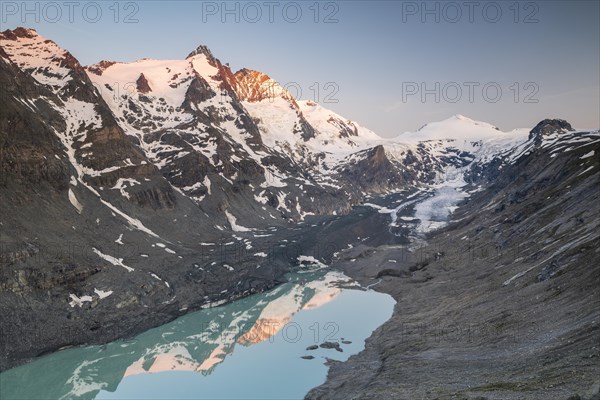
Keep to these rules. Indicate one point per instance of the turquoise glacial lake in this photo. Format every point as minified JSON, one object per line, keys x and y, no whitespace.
{"x":248,"y":349}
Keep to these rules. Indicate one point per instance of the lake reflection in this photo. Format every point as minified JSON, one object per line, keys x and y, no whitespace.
{"x":250,"y":348}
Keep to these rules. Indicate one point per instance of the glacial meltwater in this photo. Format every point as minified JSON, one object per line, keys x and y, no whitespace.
{"x":249,"y":349}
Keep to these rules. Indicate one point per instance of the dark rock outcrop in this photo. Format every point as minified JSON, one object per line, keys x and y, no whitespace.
{"x":202,"y":49}
{"x":331,"y":345}
{"x":142,"y":84}
{"x":547,"y":127}
{"x":514,"y":291}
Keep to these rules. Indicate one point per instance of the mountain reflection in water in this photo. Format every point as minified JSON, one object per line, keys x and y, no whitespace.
{"x":195,"y":343}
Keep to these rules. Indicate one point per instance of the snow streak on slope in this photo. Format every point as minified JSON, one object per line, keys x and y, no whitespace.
{"x":177,"y":109}
{"x":317,"y":139}
{"x":59,"y":71}
{"x":197,"y":122}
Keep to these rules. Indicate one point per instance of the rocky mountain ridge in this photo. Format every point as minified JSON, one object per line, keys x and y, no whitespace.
{"x":503,"y":301}
{"x":179,"y":184}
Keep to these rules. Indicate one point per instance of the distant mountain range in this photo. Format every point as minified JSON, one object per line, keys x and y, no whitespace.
{"x":122,"y":183}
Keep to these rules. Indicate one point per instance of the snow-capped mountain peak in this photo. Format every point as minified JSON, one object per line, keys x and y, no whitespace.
{"x":457,"y":127}
{"x":43,"y":59}
{"x":462,"y":118}
{"x":334,"y":125}
{"x":201,"y":49}
{"x":205,"y":128}
{"x":20,"y":32}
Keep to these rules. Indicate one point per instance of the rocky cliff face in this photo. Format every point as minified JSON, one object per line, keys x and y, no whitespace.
{"x":166,"y":184}
{"x":254,"y":86}
{"x":93,"y":233}
{"x":510,"y":284}
{"x":549,"y":127}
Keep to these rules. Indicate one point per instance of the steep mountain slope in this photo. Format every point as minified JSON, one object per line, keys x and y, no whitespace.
{"x":189,"y":119}
{"x":134,"y":192}
{"x":200,"y":123}
{"x":503,"y":303}
{"x":92,"y":234}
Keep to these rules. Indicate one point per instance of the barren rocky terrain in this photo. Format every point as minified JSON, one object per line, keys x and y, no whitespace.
{"x":122,"y":210}
{"x":503,"y":303}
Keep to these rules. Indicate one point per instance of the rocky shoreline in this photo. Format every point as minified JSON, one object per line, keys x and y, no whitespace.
{"x":445,"y":341}
{"x":502,"y":303}
{"x":123,"y":210}
{"x":124,"y":315}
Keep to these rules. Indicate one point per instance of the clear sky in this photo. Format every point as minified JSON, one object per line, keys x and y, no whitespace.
{"x":390,"y":65}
